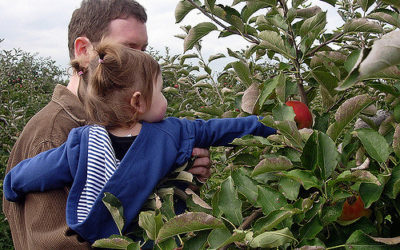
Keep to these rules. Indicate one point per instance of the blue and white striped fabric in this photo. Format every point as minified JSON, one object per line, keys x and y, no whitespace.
{"x":102,"y":164}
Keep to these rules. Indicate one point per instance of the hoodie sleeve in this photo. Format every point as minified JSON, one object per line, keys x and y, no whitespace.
{"x":48,"y":170}
{"x":214,"y":132}
{"x":221,"y":132}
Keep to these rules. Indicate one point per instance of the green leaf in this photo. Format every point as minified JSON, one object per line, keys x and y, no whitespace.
{"x":326,"y":79}
{"x":371,"y":192}
{"x":133,"y":246}
{"x":282,"y":112}
{"x":357,"y":176}
{"x":289,"y":188}
{"x":268,"y":88}
{"x":251,"y":140}
{"x":250,"y":99}
{"x":168,"y":244}
{"x":308,"y":12}
{"x":313,"y":24}
{"x":203,"y":85}
{"x":331,"y":2}
{"x":245,"y":185}
{"x":374,"y":143}
{"x":384,"y":53}
{"x":273,"y":219}
{"x":215,"y":57}
{"x":396,"y":140}
{"x":243,"y":72}
{"x":387,"y":16}
{"x":393,"y":186}
{"x":311,"y":229}
{"x":114,"y":206}
{"x":392,"y":2}
{"x":219,"y":238}
{"x":182,"y":9}
{"x":362,"y":25}
{"x":212,"y":110}
{"x":385,"y":88}
{"x":251,"y":8}
{"x":273,"y":239}
{"x":305,"y":177}
{"x":196,"y":33}
{"x":287,"y":128}
{"x":270,"y":199}
{"x":320,"y":155}
{"x":347,"y":112}
{"x":187,"y":56}
{"x":282,"y":89}
{"x":188,"y":222}
{"x":171,"y":90}
{"x":197,"y":242}
{"x":229,"y":203}
{"x":358,"y":240}
{"x":237,"y":23}
{"x":272,"y":164}
{"x":331,"y":213}
{"x":273,"y":41}
{"x":114,"y":242}
{"x":365,"y":4}
{"x":151,"y":223}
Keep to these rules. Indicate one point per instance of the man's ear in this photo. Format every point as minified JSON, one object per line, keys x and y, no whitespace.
{"x":82,"y":47}
{"x":138,"y":102}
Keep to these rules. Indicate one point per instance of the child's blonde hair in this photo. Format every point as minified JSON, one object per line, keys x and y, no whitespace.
{"x":113,"y":75}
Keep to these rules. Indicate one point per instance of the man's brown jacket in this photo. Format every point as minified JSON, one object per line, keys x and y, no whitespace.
{"x":39,"y":222}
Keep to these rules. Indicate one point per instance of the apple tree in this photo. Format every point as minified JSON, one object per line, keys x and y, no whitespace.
{"x":332,"y":185}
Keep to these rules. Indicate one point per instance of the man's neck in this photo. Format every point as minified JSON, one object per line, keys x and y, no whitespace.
{"x":73,"y":84}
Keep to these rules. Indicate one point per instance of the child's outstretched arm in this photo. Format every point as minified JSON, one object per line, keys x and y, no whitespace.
{"x":221,"y":132}
{"x":47,"y":170}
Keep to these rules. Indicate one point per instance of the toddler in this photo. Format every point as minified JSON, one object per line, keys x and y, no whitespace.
{"x":128,"y":147}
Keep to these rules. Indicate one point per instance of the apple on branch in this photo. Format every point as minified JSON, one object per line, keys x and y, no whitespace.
{"x":303,"y":116}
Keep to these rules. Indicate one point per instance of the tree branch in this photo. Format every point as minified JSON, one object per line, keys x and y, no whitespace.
{"x":337,"y":36}
{"x":246,"y":223}
{"x":300,"y":83}
{"x":251,"y":38}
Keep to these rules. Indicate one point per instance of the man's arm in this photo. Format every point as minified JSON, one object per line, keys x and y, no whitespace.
{"x":202,"y":164}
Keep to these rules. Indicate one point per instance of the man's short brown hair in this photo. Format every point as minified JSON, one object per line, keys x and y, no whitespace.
{"x":92,"y":19}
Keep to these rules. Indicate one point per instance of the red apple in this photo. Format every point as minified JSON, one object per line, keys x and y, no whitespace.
{"x":303,"y":116}
{"x":176,"y":86}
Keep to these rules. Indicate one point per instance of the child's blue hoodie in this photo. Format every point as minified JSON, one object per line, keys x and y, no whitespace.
{"x":158,"y":148}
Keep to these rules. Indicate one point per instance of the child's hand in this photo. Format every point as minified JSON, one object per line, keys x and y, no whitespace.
{"x":201,"y":165}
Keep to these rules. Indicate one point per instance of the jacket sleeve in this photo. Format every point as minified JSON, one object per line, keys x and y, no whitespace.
{"x":221,"y":132}
{"x":52,"y":169}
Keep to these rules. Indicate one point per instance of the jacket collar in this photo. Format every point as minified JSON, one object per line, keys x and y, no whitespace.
{"x":70,"y":103}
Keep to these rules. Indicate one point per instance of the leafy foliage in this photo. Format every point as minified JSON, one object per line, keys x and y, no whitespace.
{"x":288,"y":190}
{"x":26,"y":84}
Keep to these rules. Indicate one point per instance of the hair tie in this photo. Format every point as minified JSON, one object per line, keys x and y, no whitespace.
{"x":101,"y":60}
{"x":80,"y":73}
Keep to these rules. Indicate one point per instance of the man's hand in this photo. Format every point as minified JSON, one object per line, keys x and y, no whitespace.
{"x":201,"y":165}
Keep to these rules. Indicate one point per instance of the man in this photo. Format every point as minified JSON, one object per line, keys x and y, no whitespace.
{"x":39,"y":222}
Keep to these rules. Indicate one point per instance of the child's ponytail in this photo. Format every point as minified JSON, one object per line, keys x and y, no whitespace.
{"x":81,"y":71}
{"x":106,"y":68}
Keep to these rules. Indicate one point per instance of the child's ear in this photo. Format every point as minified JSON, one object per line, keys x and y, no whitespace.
{"x":83,"y":48}
{"x":138,"y":102}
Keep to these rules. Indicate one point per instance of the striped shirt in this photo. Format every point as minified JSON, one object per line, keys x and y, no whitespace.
{"x":101,"y":165}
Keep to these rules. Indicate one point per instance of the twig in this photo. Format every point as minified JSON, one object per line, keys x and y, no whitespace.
{"x":300,"y":82}
{"x":251,"y":38}
{"x":246,"y":223}
{"x":337,"y":36}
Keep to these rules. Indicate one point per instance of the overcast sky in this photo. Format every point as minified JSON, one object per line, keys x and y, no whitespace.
{"x":41,"y":26}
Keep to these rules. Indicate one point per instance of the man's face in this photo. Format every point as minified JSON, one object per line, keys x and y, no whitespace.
{"x":129,"y":32}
